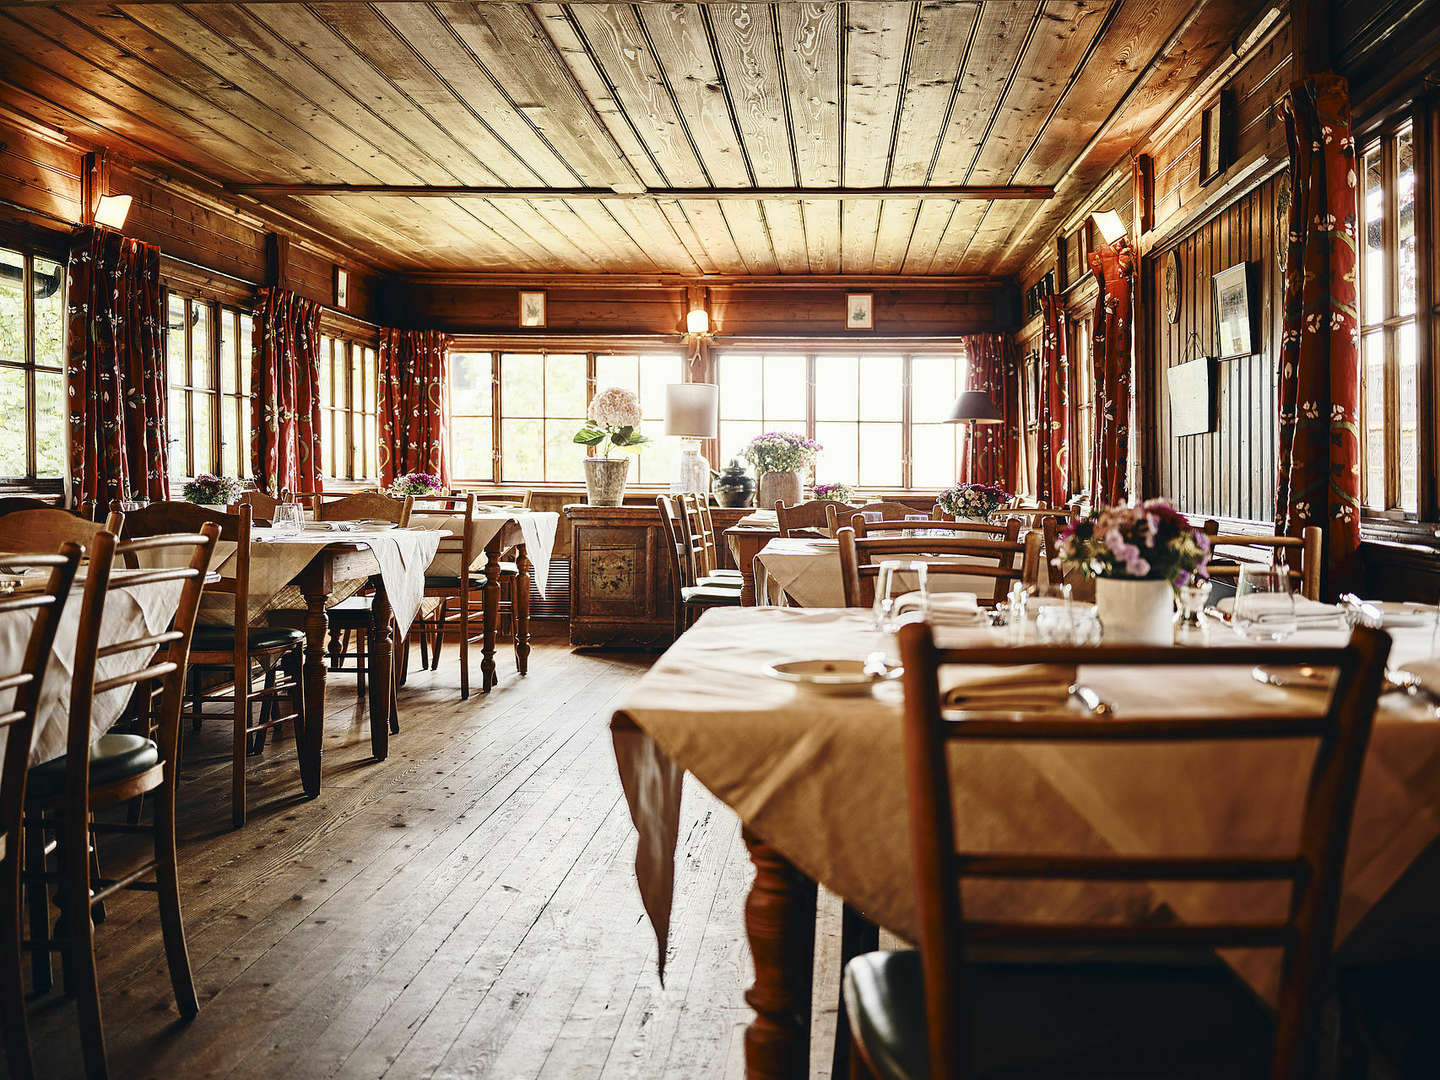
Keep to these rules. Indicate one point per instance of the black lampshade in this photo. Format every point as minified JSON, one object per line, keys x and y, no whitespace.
{"x":975,"y":407}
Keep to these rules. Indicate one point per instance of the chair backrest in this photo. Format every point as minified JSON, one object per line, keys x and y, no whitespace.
{"x":499,"y":496}
{"x":18,"y":721}
{"x":979,"y":529}
{"x":365,"y":506}
{"x":672,"y":523}
{"x":815,"y":514}
{"x":691,"y":537}
{"x":166,"y":518}
{"x":1082,"y":587}
{"x":181,"y":557}
{"x":1307,"y":933}
{"x":889,"y":509}
{"x":1309,"y":545}
{"x":262,"y":506}
{"x":46,"y":529}
{"x":707,"y":531}
{"x":462,"y":546}
{"x":10,"y":503}
{"x":994,"y":560}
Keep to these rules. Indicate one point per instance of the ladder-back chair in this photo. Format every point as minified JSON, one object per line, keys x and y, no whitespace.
{"x":1309,"y":545}
{"x":1002,"y":561}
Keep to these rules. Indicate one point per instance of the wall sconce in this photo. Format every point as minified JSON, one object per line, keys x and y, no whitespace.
{"x":1110,"y":226}
{"x":697,"y":322}
{"x":112,"y":210}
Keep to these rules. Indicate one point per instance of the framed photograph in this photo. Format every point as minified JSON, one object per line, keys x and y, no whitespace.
{"x":532,"y":309}
{"x":859,"y":311}
{"x":1232,"y":306}
{"x":342,"y":287}
{"x":1215,"y":142}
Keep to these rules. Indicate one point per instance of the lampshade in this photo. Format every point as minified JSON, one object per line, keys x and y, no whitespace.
{"x":113,"y":210}
{"x":692,"y":410}
{"x":1110,"y":226}
{"x":975,"y":407}
{"x":697,"y":321}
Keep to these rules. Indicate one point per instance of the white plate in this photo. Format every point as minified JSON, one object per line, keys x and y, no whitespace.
{"x":1403,"y":613}
{"x":833,"y":677}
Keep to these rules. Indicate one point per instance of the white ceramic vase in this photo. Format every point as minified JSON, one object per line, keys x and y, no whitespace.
{"x":778,"y":487}
{"x":1135,"y":612}
{"x":605,"y":480}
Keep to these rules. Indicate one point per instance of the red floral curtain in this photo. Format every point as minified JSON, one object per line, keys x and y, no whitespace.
{"x":1319,"y":390}
{"x":285,"y":393}
{"x":414,"y":403}
{"x":115,"y":370}
{"x":994,"y":369}
{"x":1052,"y":444}
{"x":1114,"y":265}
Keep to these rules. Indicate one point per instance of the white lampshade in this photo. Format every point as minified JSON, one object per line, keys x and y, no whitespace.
{"x":692,"y":410}
{"x":113,"y":210}
{"x":1110,"y":226}
{"x":697,"y":321}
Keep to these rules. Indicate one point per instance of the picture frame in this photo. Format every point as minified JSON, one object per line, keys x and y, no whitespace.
{"x":1215,"y":138}
{"x":342,"y":287}
{"x":532,"y":310}
{"x":1232,"y":312}
{"x":859,"y":311}
{"x":1190,"y":389}
{"x":1032,"y":390}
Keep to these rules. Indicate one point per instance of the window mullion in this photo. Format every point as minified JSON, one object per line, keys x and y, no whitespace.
{"x":27,"y":286}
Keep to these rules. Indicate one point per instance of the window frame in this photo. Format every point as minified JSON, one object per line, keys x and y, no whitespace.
{"x":358,"y":355}
{"x":217,"y":312}
{"x":30,"y":368}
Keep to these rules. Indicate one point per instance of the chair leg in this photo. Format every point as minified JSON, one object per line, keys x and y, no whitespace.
{"x":38,"y":900}
{"x":424,"y":648}
{"x":362,"y":661}
{"x":83,"y":980}
{"x":239,"y":746}
{"x":167,"y":883}
{"x":464,"y":646}
{"x":436,"y":646}
{"x":12,"y":979}
{"x":97,"y":911}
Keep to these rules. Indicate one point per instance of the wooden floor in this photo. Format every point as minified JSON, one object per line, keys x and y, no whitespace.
{"x":465,"y":909}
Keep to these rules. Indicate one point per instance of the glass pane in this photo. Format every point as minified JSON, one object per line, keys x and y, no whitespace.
{"x":565,"y":386}
{"x":522,"y":388}
{"x":837,"y":389}
{"x":524,"y":447}
{"x":933,"y":463}
{"x":230,"y":436}
{"x":1409,"y":418}
{"x":623,"y":371}
{"x":49,"y":314}
{"x":933,"y":387}
{"x":327,"y":381}
{"x":12,"y":432}
{"x":881,"y":388}
{"x":200,"y":367}
{"x":470,"y":446}
{"x":562,"y":456}
{"x":175,"y":341}
{"x":658,"y":371}
{"x":202,"y":408}
{"x":1405,"y":221}
{"x":1373,"y":271}
{"x":785,"y":393}
{"x":357,"y":377}
{"x":330,"y":443}
{"x":657,"y":460}
{"x":51,"y":424}
{"x":178,"y":425}
{"x":880,"y":455}
{"x":12,"y":314}
{"x":470,"y":377}
{"x":1374,"y":420}
{"x":734,"y":434}
{"x":229,"y":349}
{"x":838,"y":462}
{"x":741,"y":389}
{"x":247,"y":346}
{"x":372,"y":447}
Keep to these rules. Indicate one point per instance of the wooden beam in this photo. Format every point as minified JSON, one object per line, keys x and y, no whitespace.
{"x":442,"y":191}
{"x":1312,"y":35}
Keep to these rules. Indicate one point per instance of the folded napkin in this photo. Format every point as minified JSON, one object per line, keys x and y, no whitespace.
{"x":1024,"y":688}
{"x":945,"y":609}
{"x":1307,"y":612}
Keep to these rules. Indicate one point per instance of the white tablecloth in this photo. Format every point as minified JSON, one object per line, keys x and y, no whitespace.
{"x":822,"y":780}
{"x":534,"y":529}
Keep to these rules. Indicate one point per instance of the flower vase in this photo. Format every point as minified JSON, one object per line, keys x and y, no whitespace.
{"x":1135,"y":611}
{"x":605,"y":480}
{"x":778,"y":487}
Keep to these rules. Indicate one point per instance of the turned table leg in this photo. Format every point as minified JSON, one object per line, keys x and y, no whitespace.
{"x":521,"y":610}
{"x":490,"y":593}
{"x":309,"y":740}
{"x":382,"y":652}
{"x":780,"y":923}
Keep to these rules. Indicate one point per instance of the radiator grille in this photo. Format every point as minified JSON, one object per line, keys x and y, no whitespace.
{"x":556,"y":603}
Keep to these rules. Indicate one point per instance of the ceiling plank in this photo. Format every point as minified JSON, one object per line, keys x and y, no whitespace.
{"x":810,"y":60}
{"x":981,"y":192}
{"x":938,"y":53}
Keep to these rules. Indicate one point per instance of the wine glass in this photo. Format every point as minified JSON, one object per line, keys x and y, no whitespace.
{"x":914,"y":517}
{"x":884,"y":606}
{"x":289,"y":519}
{"x":1264,"y":603}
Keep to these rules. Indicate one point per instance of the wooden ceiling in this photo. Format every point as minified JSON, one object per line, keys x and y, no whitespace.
{"x":598,"y":99}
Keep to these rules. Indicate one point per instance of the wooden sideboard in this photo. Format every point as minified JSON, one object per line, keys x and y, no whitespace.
{"x":620,"y":582}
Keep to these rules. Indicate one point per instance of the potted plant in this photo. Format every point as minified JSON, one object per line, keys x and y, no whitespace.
{"x":778,"y":457}
{"x":834,"y":492}
{"x":972,"y":502}
{"x":216,"y":492}
{"x":613,"y":422}
{"x":1138,"y":556}
{"x":418,"y":484}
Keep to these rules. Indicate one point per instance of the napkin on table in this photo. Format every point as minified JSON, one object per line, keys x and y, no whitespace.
{"x":1022,"y":688}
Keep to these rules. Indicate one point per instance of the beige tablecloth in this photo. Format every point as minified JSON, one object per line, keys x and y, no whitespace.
{"x":130,"y":612}
{"x":534,"y":529}
{"x":822,"y":779}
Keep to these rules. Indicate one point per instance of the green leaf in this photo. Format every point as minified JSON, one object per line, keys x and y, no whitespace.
{"x":589,"y":437}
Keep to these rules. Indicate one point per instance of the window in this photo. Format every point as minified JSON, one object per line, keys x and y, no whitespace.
{"x":349,"y":434}
{"x":855,"y":406}
{"x":1388,"y":292}
{"x":1084,"y":398}
{"x":34,"y":435}
{"x":236,"y":329}
{"x":207,"y":367}
{"x":541,"y":399}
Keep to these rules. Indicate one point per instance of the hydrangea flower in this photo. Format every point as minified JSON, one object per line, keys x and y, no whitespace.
{"x":613,"y":420}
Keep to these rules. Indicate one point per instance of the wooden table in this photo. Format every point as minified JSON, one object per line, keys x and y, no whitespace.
{"x":744,"y":542}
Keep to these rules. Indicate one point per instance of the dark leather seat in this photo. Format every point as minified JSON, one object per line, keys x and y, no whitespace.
{"x":1082,"y":1021}
{"x":261,"y":638}
{"x":113,"y":757}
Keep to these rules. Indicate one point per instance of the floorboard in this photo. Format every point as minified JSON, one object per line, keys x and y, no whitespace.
{"x":465,"y":909}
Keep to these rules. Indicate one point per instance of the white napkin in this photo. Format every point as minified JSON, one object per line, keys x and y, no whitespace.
{"x":1024,"y":688}
{"x":1307,"y":612}
{"x":945,"y":609}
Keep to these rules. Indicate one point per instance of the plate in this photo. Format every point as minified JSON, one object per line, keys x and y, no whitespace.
{"x":1294,"y":676}
{"x":1401,"y":613}
{"x":834,"y":677}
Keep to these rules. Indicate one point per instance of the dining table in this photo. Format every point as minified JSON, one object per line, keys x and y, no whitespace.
{"x":745,"y":539}
{"x":818,"y":784}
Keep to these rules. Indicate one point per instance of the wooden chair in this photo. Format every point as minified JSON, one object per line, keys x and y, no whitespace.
{"x":95,"y":774}
{"x":989,"y":559}
{"x":1310,"y":545}
{"x":714,"y":570}
{"x":10,"y":503}
{"x":939,"y":1014}
{"x":519,"y":497}
{"x":700,"y":547}
{"x":44,"y":608}
{"x":363,"y":506}
{"x":1081,"y":587}
{"x":813,"y":516}
{"x":466,"y":589}
{"x":273,"y":654}
{"x":979,"y":529}
{"x":48,"y":528}
{"x":691,"y":598}
{"x":262,"y":506}
{"x":890,"y":510}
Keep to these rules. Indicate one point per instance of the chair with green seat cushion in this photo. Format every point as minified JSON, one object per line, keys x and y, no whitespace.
{"x":945,"y":1013}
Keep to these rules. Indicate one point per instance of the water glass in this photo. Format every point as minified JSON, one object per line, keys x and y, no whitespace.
{"x":913,"y":517}
{"x":289,"y":519}
{"x":1264,"y":603}
{"x":1190,"y":618}
{"x":884,"y":607}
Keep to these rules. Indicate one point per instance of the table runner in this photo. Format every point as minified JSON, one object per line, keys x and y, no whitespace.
{"x":822,"y":780}
{"x":535,"y":529}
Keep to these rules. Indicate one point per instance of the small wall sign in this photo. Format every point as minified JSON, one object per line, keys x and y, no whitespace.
{"x":532,"y":310}
{"x":1189,"y":390}
{"x":342,"y":288}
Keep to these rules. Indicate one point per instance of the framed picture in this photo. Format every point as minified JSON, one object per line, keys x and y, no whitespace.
{"x":532,"y":309}
{"x":859,"y":311}
{"x":342,"y":287}
{"x":1032,"y":390}
{"x":1232,"y":306}
{"x":1191,"y":397}
{"x":1215,"y":142}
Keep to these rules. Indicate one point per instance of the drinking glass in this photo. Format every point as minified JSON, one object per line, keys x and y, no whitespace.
{"x":1190,"y":619}
{"x":1264,"y":603}
{"x":921,"y":570}
{"x":913,"y":517}
{"x":289,"y":519}
{"x":884,"y":607}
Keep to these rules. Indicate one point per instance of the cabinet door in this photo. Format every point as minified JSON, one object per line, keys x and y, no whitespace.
{"x":612,"y":576}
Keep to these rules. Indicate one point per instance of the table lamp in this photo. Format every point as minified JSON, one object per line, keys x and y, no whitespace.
{"x":692,"y":411}
{"x":973,"y":407}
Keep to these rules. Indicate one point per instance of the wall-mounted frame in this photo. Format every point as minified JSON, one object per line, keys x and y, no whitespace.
{"x":1170,"y":271}
{"x":1217,"y":140}
{"x":342,"y":288}
{"x":1190,"y":388}
{"x":532,"y":310}
{"x":859,"y":311}
{"x":1037,"y":292}
{"x":1232,"y":312}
